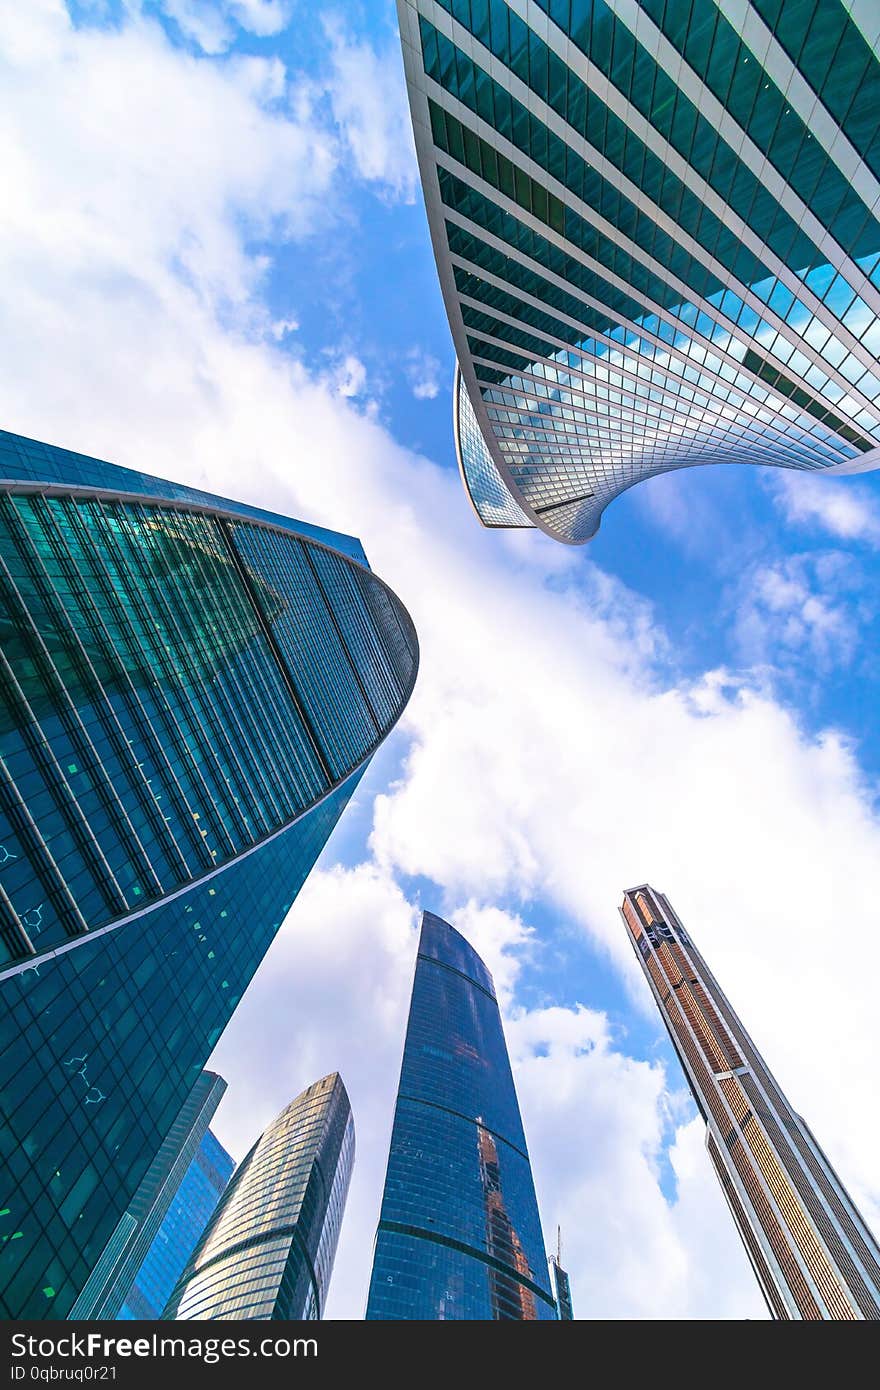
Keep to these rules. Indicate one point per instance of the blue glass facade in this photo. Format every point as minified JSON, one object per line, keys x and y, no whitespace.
{"x":657,"y":229}
{"x":190,"y":1211}
{"x":191,"y":691}
{"x":459,"y":1234}
{"x":269,"y":1250}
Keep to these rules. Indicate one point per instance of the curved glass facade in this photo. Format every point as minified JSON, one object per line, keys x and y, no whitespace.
{"x":459,"y":1234}
{"x":191,"y":692}
{"x":487,"y":490}
{"x":269,"y":1249}
{"x":657,"y":228}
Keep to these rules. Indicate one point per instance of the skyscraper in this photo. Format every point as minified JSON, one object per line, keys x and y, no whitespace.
{"x":657,"y":231}
{"x":562,"y":1289}
{"x":116,"y":1270}
{"x":269,"y":1249}
{"x":810,"y":1249}
{"x":459,"y":1234}
{"x":561,"y":1285}
{"x":190,"y":691}
{"x":189,"y":1213}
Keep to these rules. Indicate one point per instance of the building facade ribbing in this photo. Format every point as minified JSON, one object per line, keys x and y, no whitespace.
{"x":812,"y":1253}
{"x":657,"y":231}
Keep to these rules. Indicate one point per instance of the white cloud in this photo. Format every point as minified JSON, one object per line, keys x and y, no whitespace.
{"x":262,"y":17}
{"x":369,"y":103}
{"x":802,"y":606}
{"x":213,"y":25}
{"x":595,"y":1120}
{"x":423,"y":374}
{"x":549,"y":749}
{"x":843,"y":507}
{"x":282,"y":327}
{"x":206,"y":25}
{"x":349,"y":377}
{"x":143,"y":179}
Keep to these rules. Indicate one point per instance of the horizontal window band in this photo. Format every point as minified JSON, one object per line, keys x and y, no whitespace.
{"x":569,"y":501}
{"x":460,"y":1115}
{"x":419,"y":1233}
{"x":432,"y":960}
{"x":790,"y":389}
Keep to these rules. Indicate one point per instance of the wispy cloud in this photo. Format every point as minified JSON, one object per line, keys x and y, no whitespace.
{"x":348,"y":377}
{"x":214,"y":24}
{"x":842,"y":507}
{"x":368,"y":98}
{"x":423,"y":374}
{"x":281,"y":328}
{"x":807,"y":607}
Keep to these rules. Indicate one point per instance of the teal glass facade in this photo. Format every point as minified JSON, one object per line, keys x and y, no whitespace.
{"x":117,"y":1269}
{"x":459,"y":1234}
{"x":657,"y":228}
{"x":190,"y":1211}
{"x":191,"y":692}
{"x":268,"y":1252}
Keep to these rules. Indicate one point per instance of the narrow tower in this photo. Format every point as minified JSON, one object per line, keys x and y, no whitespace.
{"x":459,"y":1234}
{"x":561,"y":1283}
{"x":811,"y":1251}
{"x":268,"y":1251}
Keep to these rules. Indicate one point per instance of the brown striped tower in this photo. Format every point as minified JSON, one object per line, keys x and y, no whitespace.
{"x":813,"y":1255}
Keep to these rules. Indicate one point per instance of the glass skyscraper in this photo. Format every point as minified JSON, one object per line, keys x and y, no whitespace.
{"x":191,"y":690}
{"x":116,"y":1270}
{"x":189,"y":1213}
{"x":562,"y":1288}
{"x":459,"y":1235}
{"x":561,"y":1283}
{"x":813,"y":1255}
{"x":657,"y":230}
{"x":269,"y":1249}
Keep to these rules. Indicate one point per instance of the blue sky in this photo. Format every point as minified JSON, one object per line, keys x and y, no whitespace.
{"x":219,"y":269}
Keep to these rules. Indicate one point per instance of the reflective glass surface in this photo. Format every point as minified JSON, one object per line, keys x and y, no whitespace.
{"x":658,"y":239}
{"x":188,"y":1215}
{"x":269,"y":1249}
{"x":486,"y":488}
{"x":187,"y":709}
{"x":109,"y":1282}
{"x":459,"y":1234}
